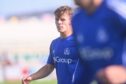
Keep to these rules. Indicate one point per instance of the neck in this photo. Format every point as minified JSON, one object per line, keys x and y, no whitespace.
{"x":65,"y":34}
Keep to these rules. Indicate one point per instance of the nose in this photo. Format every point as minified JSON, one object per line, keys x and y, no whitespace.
{"x":59,"y":21}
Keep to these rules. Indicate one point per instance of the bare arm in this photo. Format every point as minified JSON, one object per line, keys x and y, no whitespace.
{"x":41,"y":73}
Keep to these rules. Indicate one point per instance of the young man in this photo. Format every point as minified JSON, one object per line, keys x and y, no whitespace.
{"x":99,"y":27}
{"x":63,"y":54}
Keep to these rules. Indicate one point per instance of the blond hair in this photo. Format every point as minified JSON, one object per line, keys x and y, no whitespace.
{"x":62,"y":10}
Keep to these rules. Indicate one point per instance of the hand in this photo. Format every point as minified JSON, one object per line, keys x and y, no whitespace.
{"x":114,"y":74}
{"x":26,"y":80}
{"x":101,"y":77}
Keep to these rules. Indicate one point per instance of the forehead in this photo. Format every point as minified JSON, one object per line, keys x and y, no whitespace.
{"x":65,"y":15}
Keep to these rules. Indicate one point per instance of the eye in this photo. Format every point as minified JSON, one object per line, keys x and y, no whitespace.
{"x":62,"y":19}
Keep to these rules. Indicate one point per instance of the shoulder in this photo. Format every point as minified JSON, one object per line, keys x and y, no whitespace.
{"x":54,"y":41}
{"x":71,"y":40}
{"x":77,"y":17}
{"x":77,"y":12}
{"x":118,"y":7}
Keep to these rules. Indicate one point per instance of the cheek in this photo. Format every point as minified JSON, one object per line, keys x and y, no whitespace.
{"x":67,"y":22}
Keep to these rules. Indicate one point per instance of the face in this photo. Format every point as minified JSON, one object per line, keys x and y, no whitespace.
{"x":90,"y":3}
{"x":63,"y":23}
{"x":86,"y":3}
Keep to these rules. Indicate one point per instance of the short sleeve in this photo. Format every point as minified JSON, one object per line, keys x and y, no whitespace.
{"x":50,"y":58}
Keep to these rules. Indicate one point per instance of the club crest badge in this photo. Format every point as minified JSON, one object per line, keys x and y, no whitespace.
{"x":66,"y":51}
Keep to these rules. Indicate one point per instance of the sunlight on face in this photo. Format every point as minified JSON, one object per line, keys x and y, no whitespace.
{"x":90,"y":3}
{"x":63,"y":23}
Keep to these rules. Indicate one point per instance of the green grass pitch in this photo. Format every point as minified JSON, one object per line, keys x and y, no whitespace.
{"x":33,"y":82}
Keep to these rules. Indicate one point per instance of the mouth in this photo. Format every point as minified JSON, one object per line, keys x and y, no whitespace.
{"x":60,"y":26}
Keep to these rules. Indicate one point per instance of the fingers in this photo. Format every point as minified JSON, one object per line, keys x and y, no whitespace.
{"x":26,"y":80}
{"x":22,"y":82}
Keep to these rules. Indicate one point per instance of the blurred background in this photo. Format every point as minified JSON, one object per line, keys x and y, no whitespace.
{"x":27,"y":28}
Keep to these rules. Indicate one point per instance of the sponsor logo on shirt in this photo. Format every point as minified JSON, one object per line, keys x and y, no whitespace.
{"x":66,"y":51}
{"x":102,"y":35}
{"x":80,"y":38}
{"x":89,"y":53}
{"x":62,"y":60}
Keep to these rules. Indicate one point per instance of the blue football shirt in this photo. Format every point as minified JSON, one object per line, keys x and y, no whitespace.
{"x":100,"y":36}
{"x":64,"y":56}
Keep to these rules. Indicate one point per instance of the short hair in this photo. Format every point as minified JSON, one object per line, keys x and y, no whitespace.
{"x":62,"y":10}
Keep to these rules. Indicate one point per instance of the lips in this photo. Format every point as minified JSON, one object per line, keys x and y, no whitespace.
{"x":60,"y":26}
